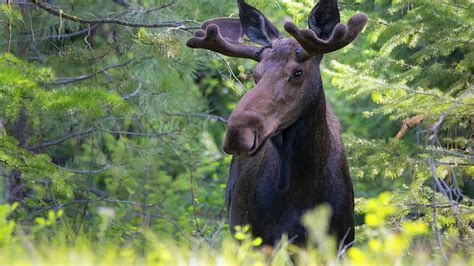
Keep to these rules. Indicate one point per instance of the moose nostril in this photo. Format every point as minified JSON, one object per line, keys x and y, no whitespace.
{"x":241,"y":141}
{"x":254,"y":146}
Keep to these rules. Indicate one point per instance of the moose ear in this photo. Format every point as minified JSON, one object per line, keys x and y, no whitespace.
{"x":256,"y":26}
{"x":323,"y":18}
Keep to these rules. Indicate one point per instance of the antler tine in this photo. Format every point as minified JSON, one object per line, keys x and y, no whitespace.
{"x":211,"y":39}
{"x":341,"y":36}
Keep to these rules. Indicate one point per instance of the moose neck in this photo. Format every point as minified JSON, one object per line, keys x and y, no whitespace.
{"x":304,"y":146}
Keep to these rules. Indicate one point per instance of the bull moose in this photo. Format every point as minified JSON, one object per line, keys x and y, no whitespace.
{"x":288,"y":155}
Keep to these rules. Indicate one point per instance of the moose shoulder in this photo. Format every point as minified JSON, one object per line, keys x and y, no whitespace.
{"x":288,"y":152}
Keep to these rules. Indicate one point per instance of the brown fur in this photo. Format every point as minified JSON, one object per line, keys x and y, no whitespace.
{"x":284,"y":178}
{"x":288,"y":152}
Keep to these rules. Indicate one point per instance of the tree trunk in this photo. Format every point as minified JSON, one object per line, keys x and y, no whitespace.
{"x":15,"y":185}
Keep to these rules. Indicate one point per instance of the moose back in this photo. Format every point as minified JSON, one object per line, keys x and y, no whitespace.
{"x":288,"y":155}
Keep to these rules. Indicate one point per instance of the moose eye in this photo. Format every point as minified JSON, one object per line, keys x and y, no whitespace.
{"x":297,"y":74}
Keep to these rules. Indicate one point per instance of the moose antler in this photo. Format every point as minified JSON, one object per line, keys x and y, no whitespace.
{"x":341,"y":36}
{"x":227,"y":42}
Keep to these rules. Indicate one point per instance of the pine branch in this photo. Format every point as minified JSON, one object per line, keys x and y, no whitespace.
{"x":453,"y":164}
{"x":60,"y":13}
{"x":137,"y":93}
{"x":86,"y":172}
{"x":93,"y":27}
{"x":61,"y":140}
{"x":205,"y":116}
{"x":129,"y":133}
{"x":407,"y":123}
{"x":65,"y":81}
{"x":438,"y":184}
{"x":445,"y":206}
{"x":72,"y":34}
{"x":91,"y":130}
{"x":122,"y":3}
{"x":163,"y":6}
{"x":116,"y":201}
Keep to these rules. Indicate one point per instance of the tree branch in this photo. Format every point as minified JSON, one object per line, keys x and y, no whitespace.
{"x":163,"y":6}
{"x":93,"y":27}
{"x":65,"y":81}
{"x":116,"y":201}
{"x":205,"y":116}
{"x":86,"y":172}
{"x":60,"y":13}
{"x":128,"y":133}
{"x":61,"y":140}
{"x":453,"y":164}
{"x":429,"y":206}
{"x":465,"y":156}
{"x":122,"y":3}
{"x":407,"y":123}
{"x":343,"y":248}
{"x":433,"y":140}
{"x":73,"y":34}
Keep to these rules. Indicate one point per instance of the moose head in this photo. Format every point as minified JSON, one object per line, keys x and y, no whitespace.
{"x":287,"y":75}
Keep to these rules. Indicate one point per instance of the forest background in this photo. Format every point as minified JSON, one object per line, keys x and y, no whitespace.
{"x":111,"y":132}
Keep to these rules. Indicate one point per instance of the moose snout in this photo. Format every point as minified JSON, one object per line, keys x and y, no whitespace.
{"x":244,"y":134}
{"x":240,"y":141}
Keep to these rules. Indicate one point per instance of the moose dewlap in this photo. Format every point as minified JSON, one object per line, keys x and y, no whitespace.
{"x":286,"y":142}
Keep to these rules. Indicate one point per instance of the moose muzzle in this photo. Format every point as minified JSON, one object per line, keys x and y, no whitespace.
{"x":244,"y":133}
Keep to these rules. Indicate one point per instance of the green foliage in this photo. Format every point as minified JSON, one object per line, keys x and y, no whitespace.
{"x":414,"y":61}
{"x":6,"y":226}
{"x":18,"y":80}
{"x":38,"y":171}
{"x":385,"y":246}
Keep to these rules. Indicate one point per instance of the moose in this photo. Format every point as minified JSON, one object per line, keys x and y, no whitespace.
{"x":288,"y":155}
